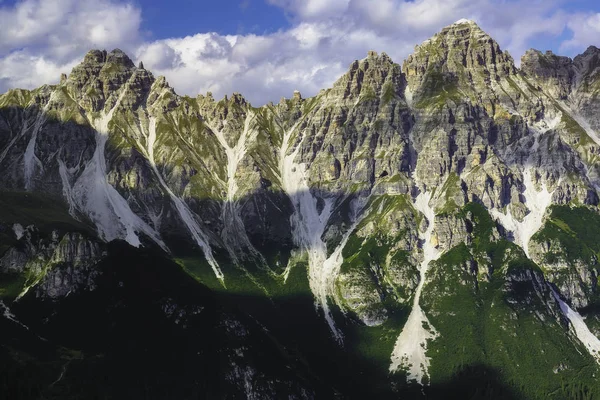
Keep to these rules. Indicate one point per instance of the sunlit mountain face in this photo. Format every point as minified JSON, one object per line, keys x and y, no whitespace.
{"x":424,"y":230}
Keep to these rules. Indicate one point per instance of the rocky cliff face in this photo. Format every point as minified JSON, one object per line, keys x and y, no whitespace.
{"x":55,"y":265}
{"x":437,"y":183}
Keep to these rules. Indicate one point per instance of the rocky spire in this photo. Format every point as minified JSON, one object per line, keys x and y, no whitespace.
{"x":589,"y":53}
{"x":117,"y":56}
{"x":461,"y":54}
{"x":562,"y":76}
{"x":587,"y":65}
{"x":370,"y":77}
{"x":554,"y":73}
{"x":101,"y":74}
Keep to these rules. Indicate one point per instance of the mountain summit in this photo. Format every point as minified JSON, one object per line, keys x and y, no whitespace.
{"x":460,"y":55}
{"x":425,"y":230}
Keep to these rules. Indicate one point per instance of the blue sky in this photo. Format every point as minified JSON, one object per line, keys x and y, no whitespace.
{"x":266,"y":49}
{"x":177,"y":18}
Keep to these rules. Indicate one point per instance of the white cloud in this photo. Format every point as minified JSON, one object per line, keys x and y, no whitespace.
{"x":263,"y":68}
{"x":22,"y":70}
{"x":40,"y":38}
{"x":586,"y":31}
{"x":419,"y":15}
{"x":160,"y":55}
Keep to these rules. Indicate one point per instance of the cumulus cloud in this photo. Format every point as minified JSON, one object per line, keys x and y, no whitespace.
{"x":42,"y":37}
{"x":39,"y":39}
{"x":62,"y":28}
{"x":260,"y":67}
{"x":23,"y":70}
{"x":586,"y":31}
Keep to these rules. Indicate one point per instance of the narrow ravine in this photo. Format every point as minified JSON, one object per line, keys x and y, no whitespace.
{"x":536,"y":202}
{"x":66,"y":184}
{"x":583,"y":333}
{"x":333,"y":264}
{"x":234,"y":232}
{"x":10,"y":316}
{"x":9,"y":146}
{"x":95,"y":196}
{"x":410,"y":349}
{"x":582,"y":122}
{"x":308,"y":226}
{"x":30,"y":160}
{"x":183,"y":210}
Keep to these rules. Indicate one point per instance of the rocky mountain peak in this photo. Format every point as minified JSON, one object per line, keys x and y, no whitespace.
{"x":94,"y":56}
{"x":460,"y":55}
{"x":588,"y":59}
{"x":463,"y":26}
{"x":238,"y":99}
{"x":160,"y":92}
{"x":117,"y":56}
{"x":591,"y":50}
{"x":464,"y":21}
{"x":366,"y":78}
{"x":554,"y":73}
{"x":588,"y":64}
{"x":101,"y":74}
{"x":97,"y":57}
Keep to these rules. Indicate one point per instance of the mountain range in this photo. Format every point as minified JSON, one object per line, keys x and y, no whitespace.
{"x":422,"y":230}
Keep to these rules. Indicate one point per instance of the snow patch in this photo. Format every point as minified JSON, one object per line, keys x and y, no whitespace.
{"x":408,"y":96}
{"x":544,"y":125}
{"x":583,"y":333}
{"x":410,"y":349}
{"x":463,"y":21}
{"x":537,"y":202}
{"x":18,"y":230}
